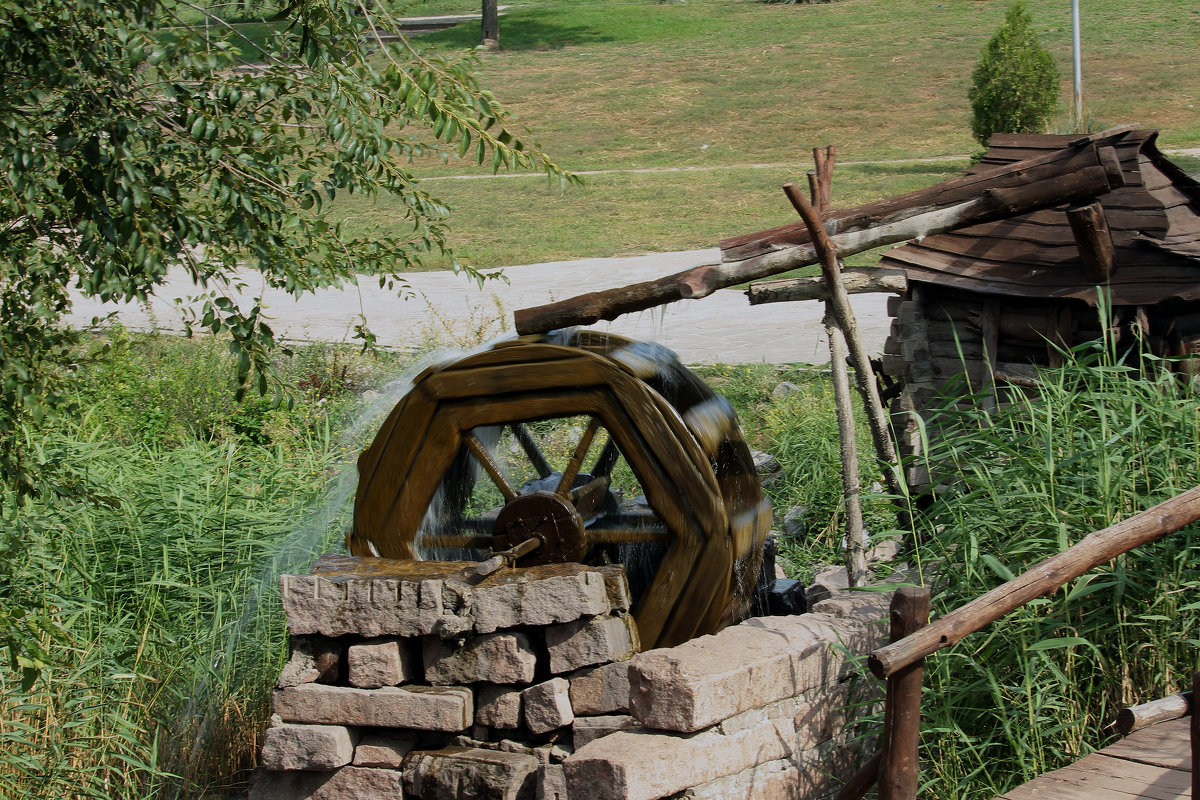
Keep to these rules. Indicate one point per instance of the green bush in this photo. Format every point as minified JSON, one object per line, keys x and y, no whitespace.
{"x":1014,"y":88}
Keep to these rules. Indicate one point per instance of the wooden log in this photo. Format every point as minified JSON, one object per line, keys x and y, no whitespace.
{"x":1042,"y":579}
{"x":899,"y":770}
{"x":857,"y":280}
{"x":856,"y":539}
{"x":1048,"y":184}
{"x":843,"y":314}
{"x":1166,"y":708}
{"x":1093,"y":239}
{"x":861,"y":781}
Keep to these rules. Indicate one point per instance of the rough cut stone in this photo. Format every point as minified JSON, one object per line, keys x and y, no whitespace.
{"x":313,"y":658}
{"x":709,"y":679}
{"x":867,"y":606}
{"x":374,"y":606}
{"x":600,"y":690}
{"x":818,"y":772}
{"x":515,"y":598}
{"x":429,"y":708}
{"x":643,"y":765}
{"x":458,"y":772}
{"x":315,"y":747}
{"x":548,"y":705}
{"x":381,"y":662}
{"x":498,"y":706}
{"x":382,"y":751}
{"x":348,"y":783}
{"x":617,"y":586}
{"x":584,"y":642}
{"x":586,"y":730}
{"x":495,"y":658}
{"x":551,"y":782}
{"x":827,"y":582}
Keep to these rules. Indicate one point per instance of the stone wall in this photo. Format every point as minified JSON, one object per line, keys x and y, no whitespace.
{"x":407,"y":681}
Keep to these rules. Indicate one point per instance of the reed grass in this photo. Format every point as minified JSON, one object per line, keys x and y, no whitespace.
{"x":1093,"y":443}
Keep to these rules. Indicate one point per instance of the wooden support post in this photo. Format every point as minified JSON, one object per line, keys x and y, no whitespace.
{"x":1137,"y":717}
{"x":1094,"y":240}
{"x":856,"y":540}
{"x":1195,"y":732}
{"x":861,"y":782}
{"x":899,"y":772}
{"x":839,"y":304}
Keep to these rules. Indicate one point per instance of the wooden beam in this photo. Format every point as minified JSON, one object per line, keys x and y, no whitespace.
{"x":1040,"y":580}
{"x":1094,"y":240}
{"x":1041,"y":183}
{"x":857,"y":280}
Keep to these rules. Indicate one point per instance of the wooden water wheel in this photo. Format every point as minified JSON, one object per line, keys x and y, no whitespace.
{"x":582,"y":447}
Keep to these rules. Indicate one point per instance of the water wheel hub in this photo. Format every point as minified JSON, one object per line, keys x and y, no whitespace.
{"x":549,"y":518}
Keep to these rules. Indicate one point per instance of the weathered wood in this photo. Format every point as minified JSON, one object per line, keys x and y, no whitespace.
{"x":843,"y":314}
{"x":1139,"y":716}
{"x":857,"y":280}
{"x":1042,"y":579}
{"x":861,"y":781}
{"x":899,"y":770}
{"x":856,"y":545}
{"x":1194,"y":730}
{"x":1093,"y":239}
{"x":1164,"y":745}
{"x":947,"y":193}
{"x":1082,"y":176}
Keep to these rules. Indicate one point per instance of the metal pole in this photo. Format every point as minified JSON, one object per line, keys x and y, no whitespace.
{"x":1075,"y":50}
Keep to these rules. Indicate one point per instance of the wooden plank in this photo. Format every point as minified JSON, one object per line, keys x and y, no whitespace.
{"x":1165,"y":744}
{"x":1101,"y":777}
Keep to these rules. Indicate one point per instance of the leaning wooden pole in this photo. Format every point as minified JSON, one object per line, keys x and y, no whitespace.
{"x":1073,"y":175}
{"x":856,"y":544}
{"x":898,"y":772}
{"x":1040,"y":580}
{"x":843,"y":313}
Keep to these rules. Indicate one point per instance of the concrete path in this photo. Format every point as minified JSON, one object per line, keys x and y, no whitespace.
{"x":447,"y":308}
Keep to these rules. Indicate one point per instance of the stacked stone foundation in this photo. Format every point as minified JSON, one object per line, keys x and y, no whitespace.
{"x":408,"y":681}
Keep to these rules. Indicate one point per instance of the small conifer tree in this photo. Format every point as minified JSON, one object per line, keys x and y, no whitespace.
{"x":1014,"y":88}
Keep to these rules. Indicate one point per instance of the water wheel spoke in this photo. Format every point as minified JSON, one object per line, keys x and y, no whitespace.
{"x":572,"y":469}
{"x":607,"y":458}
{"x":532,"y":452}
{"x":627,"y":535}
{"x":485,"y":460}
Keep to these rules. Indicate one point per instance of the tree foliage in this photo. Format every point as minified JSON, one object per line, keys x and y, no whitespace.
{"x":135,"y":136}
{"x":1014,"y":88}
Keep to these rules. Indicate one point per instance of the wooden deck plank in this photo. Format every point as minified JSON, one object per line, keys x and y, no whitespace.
{"x":1153,"y":763}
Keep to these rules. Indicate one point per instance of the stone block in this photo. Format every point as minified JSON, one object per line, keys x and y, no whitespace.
{"x":818,"y":772}
{"x":827,"y":582}
{"x":617,"y":587}
{"x":544,"y":595}
{"x":459,"y":773}
{"x":313,"y":659}
{"x":498,"y":706}
{"x":381,"y":662}
{"x":387,"y":752}
{"x":601,"y":690}
{"x":867,"y":606}
{"x":548,"y":705}
{"x":644,"y":765}
{"x":703,"y":681}
{"x":348,"y":783}
{"x":586,"y":730}
{"x":494,"y":658}
{"x":308,"y":747}
{"x":428,"y":708}
{"x":374,"y":606}
{"x":551,"y":782}
{"x":584,"y":642}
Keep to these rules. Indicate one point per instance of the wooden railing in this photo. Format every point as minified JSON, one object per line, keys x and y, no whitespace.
{"x":901,"y":663}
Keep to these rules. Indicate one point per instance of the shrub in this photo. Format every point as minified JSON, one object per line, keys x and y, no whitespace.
{"x":1014,"y":88}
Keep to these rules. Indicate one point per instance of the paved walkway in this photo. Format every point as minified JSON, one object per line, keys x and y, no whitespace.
{"x":721,"y":328}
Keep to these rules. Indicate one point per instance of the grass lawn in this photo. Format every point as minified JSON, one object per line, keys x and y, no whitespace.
{"x":720,"y":85}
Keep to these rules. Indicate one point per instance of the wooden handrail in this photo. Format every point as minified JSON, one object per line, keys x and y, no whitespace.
{"x":1042,"y":579}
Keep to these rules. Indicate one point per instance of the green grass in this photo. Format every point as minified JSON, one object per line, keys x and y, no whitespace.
{"x":721,"y":84}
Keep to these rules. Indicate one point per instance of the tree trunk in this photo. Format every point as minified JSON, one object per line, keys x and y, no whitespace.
{"x":491,"y":25}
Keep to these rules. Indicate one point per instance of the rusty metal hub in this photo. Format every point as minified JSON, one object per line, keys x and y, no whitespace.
{"x":547,"y":517}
